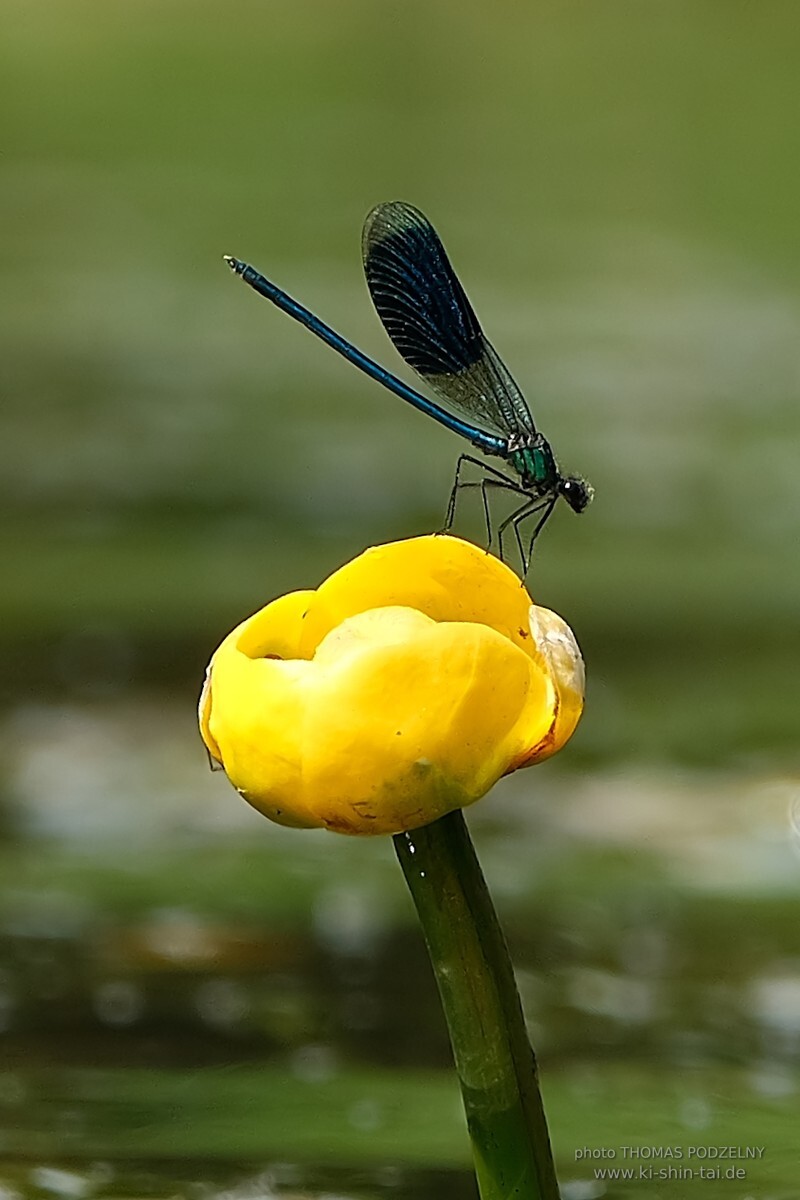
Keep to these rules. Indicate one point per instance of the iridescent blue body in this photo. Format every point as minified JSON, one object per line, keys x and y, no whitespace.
{"x":428,"y":317}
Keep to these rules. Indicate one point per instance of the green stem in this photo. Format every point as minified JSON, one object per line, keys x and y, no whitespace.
{"x":494,"y":1059}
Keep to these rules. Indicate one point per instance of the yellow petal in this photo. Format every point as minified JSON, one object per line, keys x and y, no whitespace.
{"x":445,"y":577}
{"x":403,"y":688}
{"x":413,"y":718}
{"x":276,"y":631}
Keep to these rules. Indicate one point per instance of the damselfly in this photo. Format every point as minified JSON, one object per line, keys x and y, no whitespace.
{"x":428,"y":317}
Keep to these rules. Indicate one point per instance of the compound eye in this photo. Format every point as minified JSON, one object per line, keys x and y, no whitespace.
{"x":577,"y":494}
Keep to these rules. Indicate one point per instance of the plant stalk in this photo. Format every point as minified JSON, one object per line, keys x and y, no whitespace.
{"x":494,"y":1059}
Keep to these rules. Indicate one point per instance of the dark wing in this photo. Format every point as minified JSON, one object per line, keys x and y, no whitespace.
{"x":426,"y":313}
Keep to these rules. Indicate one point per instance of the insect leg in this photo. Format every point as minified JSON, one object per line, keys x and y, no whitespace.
{"x":458,"y":484}
{"x":540,"y":524}
{"x":514,"y":522}
{"x":505,"y":484}
{"x":533,"y":505}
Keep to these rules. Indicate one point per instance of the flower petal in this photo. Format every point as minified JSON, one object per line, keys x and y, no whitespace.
{"x":445,"y":577}
{"x":562,"y":656}
{"x":403,"y":688}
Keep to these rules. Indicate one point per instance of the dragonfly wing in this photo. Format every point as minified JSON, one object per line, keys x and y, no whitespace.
{"x":428,"y":317}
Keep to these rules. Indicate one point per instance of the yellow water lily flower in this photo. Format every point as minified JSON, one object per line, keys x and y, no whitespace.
{"x":402,"y":688}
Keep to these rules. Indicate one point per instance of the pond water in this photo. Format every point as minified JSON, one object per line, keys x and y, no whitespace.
{"x":195,"y":1001}
{"x":196,"y":1004}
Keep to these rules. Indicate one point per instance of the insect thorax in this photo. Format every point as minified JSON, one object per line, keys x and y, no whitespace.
{"x":535,"y":465}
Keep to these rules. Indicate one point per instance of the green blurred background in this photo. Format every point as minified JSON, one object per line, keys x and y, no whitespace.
{"x":617,"y":185}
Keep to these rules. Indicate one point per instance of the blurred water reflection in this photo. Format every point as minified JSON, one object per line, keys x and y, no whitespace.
{"x":602,"y":878}
{"x":192,"y":1002}
{"x":149,"y":919}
